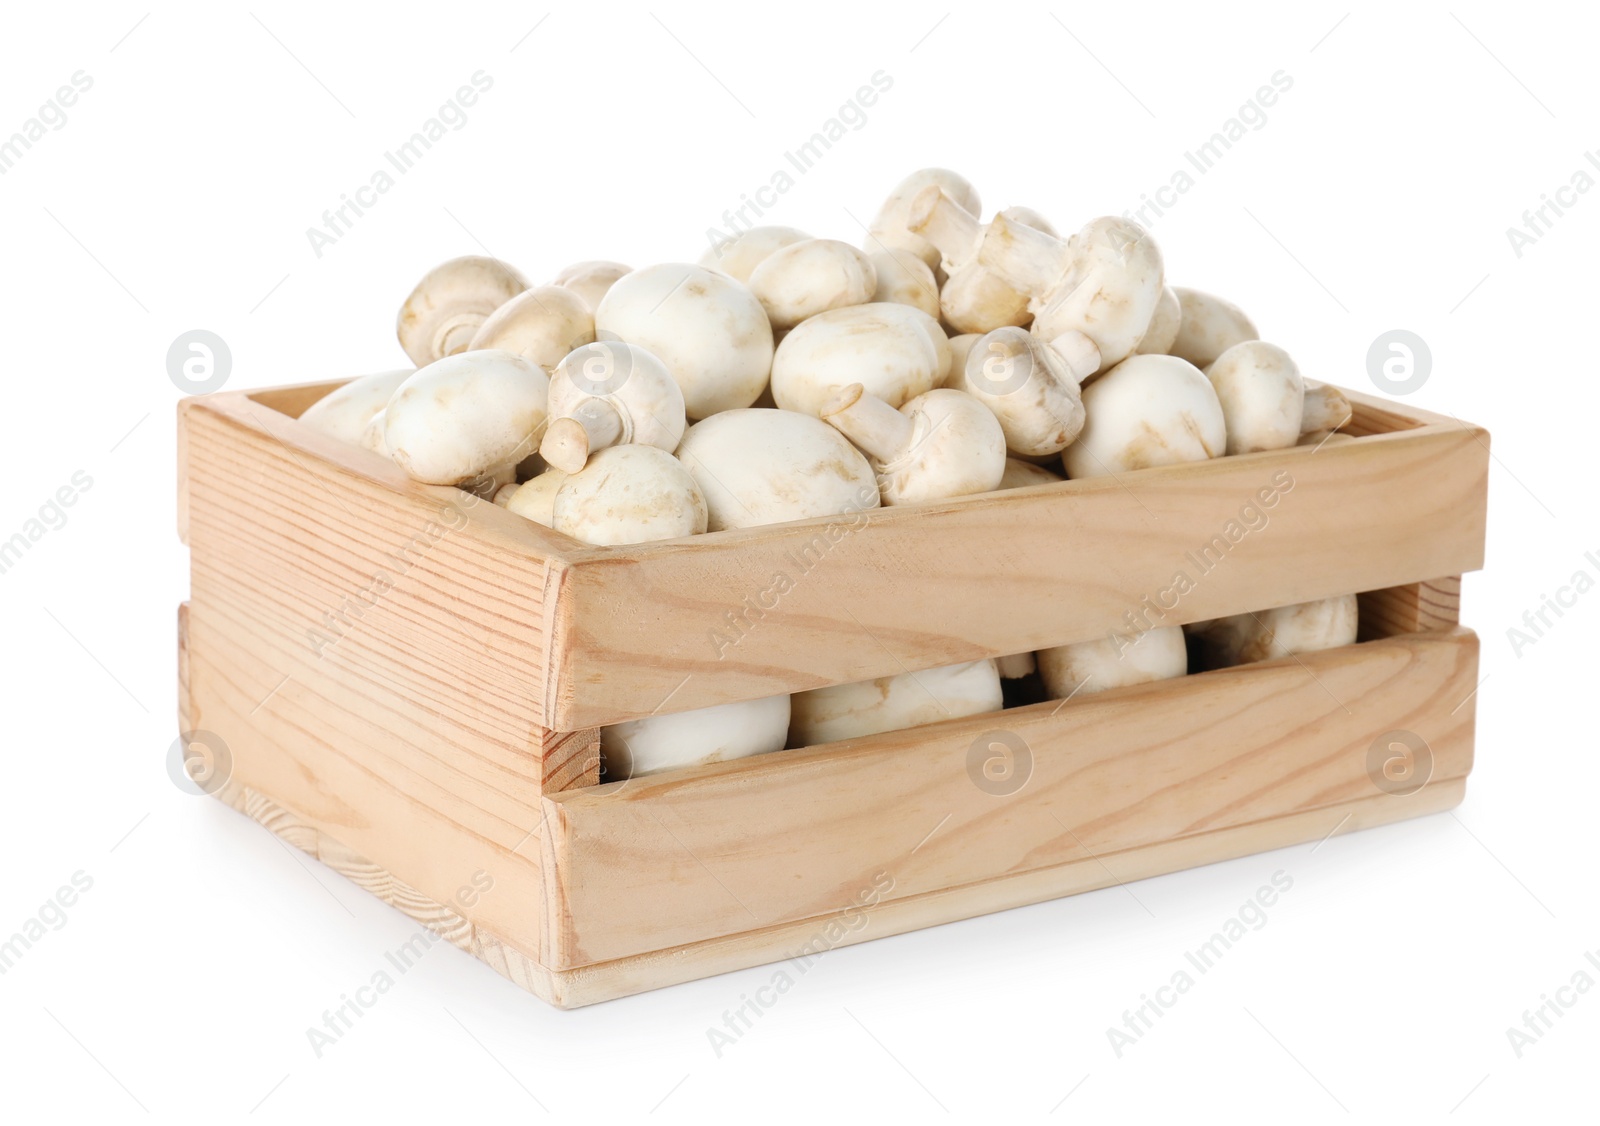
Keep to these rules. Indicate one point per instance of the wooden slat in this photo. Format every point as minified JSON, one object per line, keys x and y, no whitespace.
{"x":931,"y":585}
{"x":735,"y":847}
{"x":1414,"y":608}
{"x":293,"y":400}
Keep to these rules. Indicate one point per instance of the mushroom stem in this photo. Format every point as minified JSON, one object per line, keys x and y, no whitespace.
{"x":456,"y":333}
{"x":945,"y":223}
{"x":1325,"y":408}
{"x":1030,"y":260}
{"x":596,"y":425}
{"x":876,"y":428}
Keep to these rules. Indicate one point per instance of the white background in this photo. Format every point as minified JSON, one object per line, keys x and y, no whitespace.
{"x":1377,"y":196}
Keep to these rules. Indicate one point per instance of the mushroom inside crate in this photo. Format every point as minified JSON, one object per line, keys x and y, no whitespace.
{"x":790,"y":377}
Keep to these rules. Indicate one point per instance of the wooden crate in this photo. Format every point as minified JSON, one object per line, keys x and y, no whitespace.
{"x":409,"y":684}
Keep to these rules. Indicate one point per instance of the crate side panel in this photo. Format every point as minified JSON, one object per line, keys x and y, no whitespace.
{"x":784,"y":609}
{"x":739,"y":846}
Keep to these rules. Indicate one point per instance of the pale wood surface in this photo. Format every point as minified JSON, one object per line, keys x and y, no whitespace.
{"x":729,"y":847}
{"x":1413,"y":608}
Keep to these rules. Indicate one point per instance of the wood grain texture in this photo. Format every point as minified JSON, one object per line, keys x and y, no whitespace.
{"x":1413,"y":608}
{"x":740,"y":846}
{"x":751,"y":613}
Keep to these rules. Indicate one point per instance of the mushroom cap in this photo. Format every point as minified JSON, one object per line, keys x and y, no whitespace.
{"x":1029,"y":388}
{"x":1147,"y":411}
{"x":648,"y":399}
{"x":1110,"y":291}
{"x":806,"y":278}
{"x":1113,"y":662}
{"x":1208,"y":326}
{"x":450,"y":302}
{"x":629,"y":494}
{"x":715,"y":734}
{"x":1266,"y":635}
{"x":957,"y":449}
{"x":541,"y":324}
{"x":739,"y":256}
{"x":1163,"y":331}
{"x":1028,"y":217}
{"x":372,"y":435}
{"x":708,"y":329}
{"x":466,"y":414}
{"x":960,"y":348}
{"x":976,"y":299}
{"x":894,"y":351}
{"x":344,"y":412}
{"x":535,"y":498}
{"x":905,"y":279}
{"x":893,"y":703}
{"x":1021,"y":474}
{"x":889,"y":230}
{"x":591,"y":280}
{"x":1262,"y":396}
{"x":761,"y":466}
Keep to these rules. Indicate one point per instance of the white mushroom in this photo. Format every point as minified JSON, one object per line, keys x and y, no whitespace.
{"x":465,"y":415}
{"x":1207,"y":327}
{"x":1325,"y":408}
{"x":892,"y":703}
{"x":1163,"y":331}
{"x":535,"y":498}
{"x":974,"y":298}
{"x":1113,"y":662}
{"x":591,"y":280}
{"x":1147,"y":411}
{"x":1028,"y":217}
{"x":450,"y":302}
{"x":372,"y":435}
{"x":1266,"y":635}
{"x":502,"y":495}
{"x":1029,"y":387}
{"x":890,"y":230}
{"x":1021,"y":474}
{"x":811,"y":277}
{"x":896,"y":352}
{"x":609,"y":394}
{"x":344,"y":412}
{"x":739,"y":256}
{"x":960,"y":348}
{"x":541,"y":324}
{"x":708,"y":329}
{"x":1105,"y":282}
{"x":1262,"y":396}
{"x":760,"y":466}
{"x":905,"y":279}
{"x":716,"y":734}
{"x":942,"y":443}
{"x":629,"y":494}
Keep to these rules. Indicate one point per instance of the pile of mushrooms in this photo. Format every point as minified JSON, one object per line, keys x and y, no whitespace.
{"x":784,"y":377}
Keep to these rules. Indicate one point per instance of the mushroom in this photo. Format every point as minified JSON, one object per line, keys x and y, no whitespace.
{"x":760,"y":466}
{"x":1325,"y":408}
{"x":1104,"y":282}
{"x":1015,"y":666}
{"x":1266,"y":635}
{"x":488,"y":484}
{"x":1262,"y":396}
{"x":1320,"y":438}
{"x":502,"y":495}
{"x":608,"y":394}
{"x":450,"y":302}
{"x":1021,"y":474}
{"x":344,"y":412}
{"x":541,"y":324}
{"x":465,"y":415}
{"x":1207,"y":327}
{"x":708,"y":329}
{"x":1163,"y":331}
{"x":942,"y":443}
{"x":535,"y":498}
{"x":811,"y":277}
{"x":1147,"y":411}
{"x":629,"y":494}
{"x":1028,"y":217}
{"x":591,"y":280}
{"x":894,"y":351}
{"x":372,"y":435}
{"x":974,"y":298}
{"x":892,"y":703}
{"x":739,"y":256}
{"x":905,"y":279}
{"x":1113,"y":662}
{"x":960,"y":349}
{"x":715,"y":734}
{"x":1029,"y":387}
{"x":890,"y":230}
